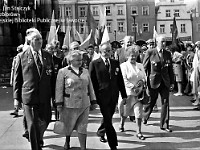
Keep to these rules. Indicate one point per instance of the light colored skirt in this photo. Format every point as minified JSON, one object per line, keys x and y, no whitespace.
{"x":133,"y":107}
{"x":75,"y":119}
{"x":178,"y":72}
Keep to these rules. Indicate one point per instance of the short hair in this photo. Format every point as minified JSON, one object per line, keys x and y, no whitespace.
{"x":20,"y":48}
{"x":160,"y":37}
{"x":30,"y":30}
{"x":73,"y":54}
{"x":197,"y":43}
{"x":128,"y":37}
{"x":49,"y":46}
{"x":105,"y":43}
{"x":64,"y":47}
{"x":73,"y":45}
{"x":91,"y":46}
{"x":31,"y":35}
{"x":150,"y":41}
{"x":130,"y":49}
{"x":55,"y":43}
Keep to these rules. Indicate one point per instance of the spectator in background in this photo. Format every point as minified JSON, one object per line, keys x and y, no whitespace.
{"x":72,"y":46}
{"x":119,"y":54}
{"x":16,"y":109}
{"x":188,"y":65}
{"x":57,"y":56}
{"x":177,"y":59}
{"x":143,"y":50}
{"x":65,"y":51}
{"x":96,"y":48}
{"x":195,"y":76}
{"x":151,"y":43}
{"x":92,"y":53}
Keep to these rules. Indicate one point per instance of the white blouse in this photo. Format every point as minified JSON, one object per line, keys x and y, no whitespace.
{"x":132,"y":74}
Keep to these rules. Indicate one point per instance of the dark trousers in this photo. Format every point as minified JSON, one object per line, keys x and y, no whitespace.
{"x":164,"y":93}
{"x":106,"y":124}
{"x":32,"y":115}
{"x":25,"y":122}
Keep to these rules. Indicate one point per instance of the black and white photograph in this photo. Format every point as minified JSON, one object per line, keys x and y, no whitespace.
{"x":100,"y":74}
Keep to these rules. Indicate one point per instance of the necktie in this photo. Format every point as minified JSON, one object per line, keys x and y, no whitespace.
{"x":161,"y":55}
{"x":107,"y":64}
{"x":39,"y":64}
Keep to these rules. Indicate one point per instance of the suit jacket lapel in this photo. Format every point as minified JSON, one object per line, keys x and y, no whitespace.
{"x":31,"y":60}
{"x":100,"y":60}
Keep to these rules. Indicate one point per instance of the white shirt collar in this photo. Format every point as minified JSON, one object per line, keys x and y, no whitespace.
{"x":75,"y":69}
{"x":104,"y":59}
{"x":34,"y":52}
{"x":158,"y":49}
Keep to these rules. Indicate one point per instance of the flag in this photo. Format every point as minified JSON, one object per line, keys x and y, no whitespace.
{"x":102,"y":18}
{"x":76,"y":34}
{"x":102,"y":24}
{"x":105,"y":37}
{"x":85,"y":31}
{"x":92,"y":25}
{"x":53,"y":31}
{"x":96,"y":36}
{"x":174,"y":32}
{"x":67,"y":39}
{"x":86,"y":43}
{"x":155,"y":34}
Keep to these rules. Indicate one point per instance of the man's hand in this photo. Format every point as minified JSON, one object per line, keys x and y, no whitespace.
{"x":124,"y":101}
{"x":171,"y":87}
{"x":93,"y":106}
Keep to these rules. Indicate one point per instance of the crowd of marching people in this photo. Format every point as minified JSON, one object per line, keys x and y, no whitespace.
{"x":75,"y":81}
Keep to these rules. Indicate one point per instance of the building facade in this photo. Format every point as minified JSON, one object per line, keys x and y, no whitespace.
{"x":166,"y":12}
{"x":115,"y":15}
{"x":144,"y":13}
{"x":195,"y":17}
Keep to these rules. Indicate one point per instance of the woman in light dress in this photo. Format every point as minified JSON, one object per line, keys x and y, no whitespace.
{"x":134,"y":76}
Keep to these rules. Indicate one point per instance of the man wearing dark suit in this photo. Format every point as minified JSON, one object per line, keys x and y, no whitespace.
{"x":160,"y":78}
{"x":34,"y":84}
{"x":107,"y":81}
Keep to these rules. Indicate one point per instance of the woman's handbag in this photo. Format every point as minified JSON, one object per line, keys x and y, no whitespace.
{"x":59,"y":127}
{"x":144,"y":98}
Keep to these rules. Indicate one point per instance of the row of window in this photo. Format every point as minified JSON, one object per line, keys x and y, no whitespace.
{"x":176,"y":13}
{"x":95,"y":11}
{"x":162,"y":28}
{"x":120,"y":27}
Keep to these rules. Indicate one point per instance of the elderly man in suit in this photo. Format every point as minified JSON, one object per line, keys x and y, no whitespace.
{"x":160,"y":79}
{"x":107,"y":81}
{"x":120,"y":53}
{"x":34,"y":84}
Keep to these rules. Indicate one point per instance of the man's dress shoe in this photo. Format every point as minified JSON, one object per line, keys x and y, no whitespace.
{"x":41,"y":143}
{"x":102,"y":139}
{"x":166,"y":129}
{"x":26,"y":135}
{"x":113,"y":148}
{"x":145,"y":122}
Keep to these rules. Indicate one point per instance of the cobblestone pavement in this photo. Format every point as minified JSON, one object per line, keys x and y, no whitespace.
{"x":184,"y":121}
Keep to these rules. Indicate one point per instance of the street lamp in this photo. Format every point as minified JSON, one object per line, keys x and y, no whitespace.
{"x":134,"y":14}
